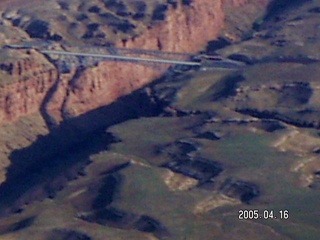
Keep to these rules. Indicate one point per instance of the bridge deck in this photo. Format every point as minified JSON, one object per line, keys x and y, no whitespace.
{"x":70,"y":53}
{"x":121,"y":57}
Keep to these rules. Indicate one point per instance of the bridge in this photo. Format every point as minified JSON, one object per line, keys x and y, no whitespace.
{"x":121,"y":57}
{"x":65,"y":55}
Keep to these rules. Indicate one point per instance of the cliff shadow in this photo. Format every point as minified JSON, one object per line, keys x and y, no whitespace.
{"x":43,"y":168}
{"x":278,"y":7}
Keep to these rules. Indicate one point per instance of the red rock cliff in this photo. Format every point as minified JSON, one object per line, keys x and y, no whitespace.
{"x":186,"y":28}
{"x":25,"y":82}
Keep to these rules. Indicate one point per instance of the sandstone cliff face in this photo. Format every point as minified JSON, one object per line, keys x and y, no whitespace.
{"x":26,"y":82}
{"x":187,"y":28}
{"x":184,"y":30}
{"x":102,"y":85}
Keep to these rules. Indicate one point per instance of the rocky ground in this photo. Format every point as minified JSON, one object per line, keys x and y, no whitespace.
{"x":179,"y":158}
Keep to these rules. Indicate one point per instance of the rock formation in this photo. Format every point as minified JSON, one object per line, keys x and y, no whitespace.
{"x":183,"y":30}
{"x":101,"y":152}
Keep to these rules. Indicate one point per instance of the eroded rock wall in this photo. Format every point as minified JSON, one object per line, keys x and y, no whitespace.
{"x":186,"y":28}
{"x":183,"y":30}
{"x":24,"y":85}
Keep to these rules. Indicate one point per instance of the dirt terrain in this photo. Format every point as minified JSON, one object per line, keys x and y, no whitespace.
{"x":167,"y":153}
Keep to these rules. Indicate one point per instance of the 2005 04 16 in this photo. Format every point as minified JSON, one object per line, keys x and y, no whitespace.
{"x":249,"y":214}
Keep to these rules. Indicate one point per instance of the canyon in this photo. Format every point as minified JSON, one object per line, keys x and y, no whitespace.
{"x":108,"y":81}
{"x":124,"y":150}
{"x":32,"y":83}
